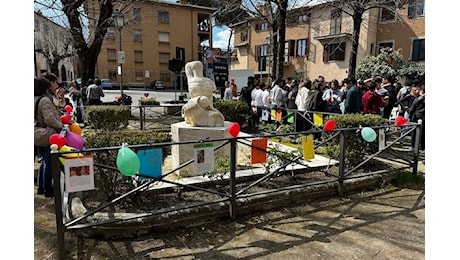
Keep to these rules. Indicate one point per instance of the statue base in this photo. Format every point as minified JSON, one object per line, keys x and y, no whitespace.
{"x":182,"y":132}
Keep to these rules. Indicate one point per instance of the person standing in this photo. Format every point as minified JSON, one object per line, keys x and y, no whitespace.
{"x":353,"y":100}
{"x":75,"y":95}
{"x":372,"y":101}
{"x":234,"y":87}
{"x":416,"y":112}
{"x":228,"y":91}
{"x":300,"y":101}
{"x":95,"y":93}
{"x":47,"y":122}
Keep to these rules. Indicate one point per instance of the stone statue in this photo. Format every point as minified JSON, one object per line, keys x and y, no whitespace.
{"x":199,"y":110}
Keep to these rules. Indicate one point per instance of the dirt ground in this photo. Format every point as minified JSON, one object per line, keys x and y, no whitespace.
{"x":388,"y":223}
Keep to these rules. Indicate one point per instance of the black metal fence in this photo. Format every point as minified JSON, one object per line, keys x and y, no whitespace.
{"x":231,"y":189}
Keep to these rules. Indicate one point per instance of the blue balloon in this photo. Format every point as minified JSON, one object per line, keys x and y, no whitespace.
{"x":368,"y":134}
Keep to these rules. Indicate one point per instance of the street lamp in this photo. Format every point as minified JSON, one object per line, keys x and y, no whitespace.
{"x":119,"y":21}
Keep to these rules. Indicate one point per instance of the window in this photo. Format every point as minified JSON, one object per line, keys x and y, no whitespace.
{"x":163,"y":17}
{"x":286,"y":51}
{"x":416,"y":9}
{"x":244,"y":37}
{"x":388,"y":14}
{"x":111,"y":55}
{"x":301,"y":47}
{"x":137,"y":13}
{"x":139,"y":75}
{"x":383,"y":45}
{"x":137,"y":35}
{"x":164,"y":57}
{"x":113,"y":75}
{"x":303,"y":18}
{"x":418,"y":49}
{"x":335,"y":51}
{"x":264,"y":50}
{"x":110,"y":33}
{"x":336,"y":22}
{"x":262,"y":26}
{"x":165,"y":76}
{"x":163,"y":37}
{"x":138,"y":57}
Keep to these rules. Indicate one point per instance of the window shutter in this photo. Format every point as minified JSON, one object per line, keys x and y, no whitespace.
{"x":326,"y":53}
{"x":411,"y":9}
{"x":256,"y":52}
{"x":291,"y":47}
{"x":415,"y":49}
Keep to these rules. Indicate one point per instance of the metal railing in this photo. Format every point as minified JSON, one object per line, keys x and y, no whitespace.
{"x":231,"y":191}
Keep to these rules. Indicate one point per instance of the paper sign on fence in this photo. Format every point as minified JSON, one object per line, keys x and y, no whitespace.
{"x":204,"y":157}
{"x":307,"y":147}
{"x":265,"y":115}
{"x":259,"y":155}
{"x":381,"y":139}
{"x":290,"y":117}
{"x":79,"y":173}
{"x":279,"y":115}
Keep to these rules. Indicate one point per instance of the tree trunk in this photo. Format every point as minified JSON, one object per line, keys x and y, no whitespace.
{"x":281,"y":36}
{"x":357,"y":21}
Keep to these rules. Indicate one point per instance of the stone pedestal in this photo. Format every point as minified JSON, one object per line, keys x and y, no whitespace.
{"x":185,"y":132}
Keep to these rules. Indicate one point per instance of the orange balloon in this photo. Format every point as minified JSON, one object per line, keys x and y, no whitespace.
{"x":75,"y":128}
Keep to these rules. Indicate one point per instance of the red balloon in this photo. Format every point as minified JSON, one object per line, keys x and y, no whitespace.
{"x":58,"y":139}
{"x":65,"y":119}
{"x":329,"y":125}
{"x":400,"y":120}
{"x":68,"y":108}
{"x":234,"y":129}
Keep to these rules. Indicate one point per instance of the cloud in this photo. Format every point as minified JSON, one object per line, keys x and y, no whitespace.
{"x":220,"y":38}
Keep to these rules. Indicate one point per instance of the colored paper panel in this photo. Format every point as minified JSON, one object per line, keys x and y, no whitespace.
{"x":259,"y":156}
{"x":307,"y":147}
{"x":151,"y":162}
{"x":290,"y":117}
{"x":279,"y":115}
{"x":318,"y":119}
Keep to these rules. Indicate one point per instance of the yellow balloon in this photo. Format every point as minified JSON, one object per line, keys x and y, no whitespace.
{"x":67,"y":148}
{"x":75,"y":128}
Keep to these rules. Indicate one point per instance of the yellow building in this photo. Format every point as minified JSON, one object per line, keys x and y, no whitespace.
{"x":154,"y":32}
{"x":318,"y":40}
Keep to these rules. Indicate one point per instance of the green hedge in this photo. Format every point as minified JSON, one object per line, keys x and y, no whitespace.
{"x":108,"y":118}
{"x":356,"y":146}
{"x":112,"y":182}
{"x":233,"y":110}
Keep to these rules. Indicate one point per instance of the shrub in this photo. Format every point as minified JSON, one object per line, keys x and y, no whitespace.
{"x":108,"y":118}
{"x":109,"y":180}
{"x":355,"y":146}
{"x":233,"y":110}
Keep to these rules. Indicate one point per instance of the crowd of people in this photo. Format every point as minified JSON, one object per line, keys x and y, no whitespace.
{"x":382,"y":96}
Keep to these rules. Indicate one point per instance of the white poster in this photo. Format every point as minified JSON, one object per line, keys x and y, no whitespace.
{"x":204,"y":157}
{"x":381,"y":139}
{"x":265,"y":115}
{"x":79,"y":173}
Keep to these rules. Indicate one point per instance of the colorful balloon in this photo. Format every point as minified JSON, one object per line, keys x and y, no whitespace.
{"x":65,"y":119}
{"x":58,"y":140}
{"x":67,"y":148}
{"x":127,"y":161}
{"x":234,"y":129}
{"x":329,"y":125}
{"x":368,"y":134}
{"x":75,"y":128}
{"x":74,"y":140}
{"x":400,"y":120}
{"x":68,"y":108}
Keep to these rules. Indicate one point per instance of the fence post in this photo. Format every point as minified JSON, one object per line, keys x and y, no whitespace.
{"x":56,"y":169}
{"x":416,"y":147}
{"x":232,"y":177}
{"x":141,"y":116}
{"x":342,"y":162}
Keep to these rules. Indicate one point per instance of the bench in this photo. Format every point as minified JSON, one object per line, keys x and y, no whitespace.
{"x":171,"y":109}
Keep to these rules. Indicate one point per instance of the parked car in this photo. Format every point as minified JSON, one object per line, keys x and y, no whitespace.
{"x":157,"y":84}
{"x":106,"y":84}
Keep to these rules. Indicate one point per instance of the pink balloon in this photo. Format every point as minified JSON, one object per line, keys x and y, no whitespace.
{"x":74,"y":140}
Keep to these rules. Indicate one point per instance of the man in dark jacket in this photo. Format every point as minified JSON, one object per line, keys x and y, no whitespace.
{"x":354,"y":96}
{"x":416,"y":112}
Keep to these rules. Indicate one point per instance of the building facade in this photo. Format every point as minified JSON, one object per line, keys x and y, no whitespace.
{"x":53,"y":50}
{"x":154,"y":32}
{"x":318,"y":40}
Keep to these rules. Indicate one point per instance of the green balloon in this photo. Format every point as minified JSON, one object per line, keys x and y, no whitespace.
{"x":368,"y":134}
{"x":127,"y":161}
